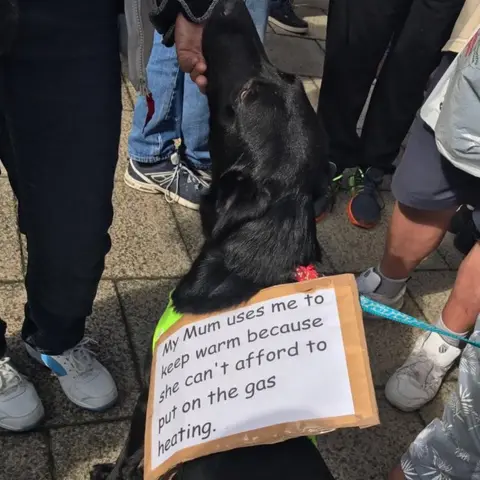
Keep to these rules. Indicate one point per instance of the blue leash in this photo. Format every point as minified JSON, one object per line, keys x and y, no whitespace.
{"x":380,"y":310}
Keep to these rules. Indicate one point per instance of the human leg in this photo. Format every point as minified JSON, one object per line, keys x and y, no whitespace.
{"x":428,"y":190}
{"x":155,"y":166}
{"x":63,"y":104}
{"x":426,"y":202}
{"x":154,"y":141}
{"x":397,"y":95}
{"x":450,"y":447}
{"x":400,"y":87}
{"x":358,"y":34}
{"x":20,"y":407}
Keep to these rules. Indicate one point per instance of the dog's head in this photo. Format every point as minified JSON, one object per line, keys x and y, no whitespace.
{"x":268,"y":162}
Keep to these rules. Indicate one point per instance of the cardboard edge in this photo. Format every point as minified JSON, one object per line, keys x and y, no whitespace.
{"x":357,"y":420}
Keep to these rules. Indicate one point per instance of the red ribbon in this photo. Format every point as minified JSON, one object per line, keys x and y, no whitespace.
{"x":303,"y":274}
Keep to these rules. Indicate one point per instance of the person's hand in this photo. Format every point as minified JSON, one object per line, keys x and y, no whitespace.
{"x":188,"y":41}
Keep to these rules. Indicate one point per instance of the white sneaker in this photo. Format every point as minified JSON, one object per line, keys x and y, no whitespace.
{"x":20,"y":407}
{"x":418,"y":380}
{"x":84,"y":380}
{"x":368,"y":283}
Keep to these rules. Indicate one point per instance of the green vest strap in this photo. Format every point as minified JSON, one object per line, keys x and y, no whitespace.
{"x":169,"y":318}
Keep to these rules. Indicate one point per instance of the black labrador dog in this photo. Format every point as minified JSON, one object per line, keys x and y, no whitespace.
{"x":269,"y":164}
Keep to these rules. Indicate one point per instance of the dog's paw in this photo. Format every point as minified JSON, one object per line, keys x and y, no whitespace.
{"x":101,"y":471}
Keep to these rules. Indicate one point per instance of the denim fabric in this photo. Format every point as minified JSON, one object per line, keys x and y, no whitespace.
{"x":181,"y":111}
{"x":60,"y":110}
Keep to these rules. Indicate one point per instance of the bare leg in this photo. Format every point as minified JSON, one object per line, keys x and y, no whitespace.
{"x":412,"y":235}
{"x":463,"y":306}
{"x":396,"y":474}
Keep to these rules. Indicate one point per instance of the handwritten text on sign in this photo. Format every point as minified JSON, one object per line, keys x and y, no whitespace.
{"x":273,"y":362}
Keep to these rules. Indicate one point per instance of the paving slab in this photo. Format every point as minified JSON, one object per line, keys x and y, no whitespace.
{"x":24,"y":457}
{"x":354,"y":454}
{"x":190,"y":228}
{"x":105,"y":326}
{"x":318,"y":4}
{"x":430,"y":290}
{"x":127,"y":99}
{"x":434,"y":409}
{"x":311,"y":90}
{"x":11,"y":264}
{"x":295,"y":55}
{"x":352,"y":249}
{"x":143,"y":303}
{"x":123,"y":147}
{"x":145,"y":239}
{"x":76,"y":450}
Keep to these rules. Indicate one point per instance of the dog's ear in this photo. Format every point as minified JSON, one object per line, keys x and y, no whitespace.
{"x":210,"y":286}
{"x":239,"y":198}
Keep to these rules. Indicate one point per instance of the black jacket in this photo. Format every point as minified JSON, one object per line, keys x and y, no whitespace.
{"x":163,"y":18}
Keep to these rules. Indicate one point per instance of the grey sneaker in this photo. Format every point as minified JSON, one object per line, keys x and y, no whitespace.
{"x":368,"y":283}
{"x":20,"y":407}
{"x":418,"y":380}
{"x":84,"y":380}
{"x":178,"y":181}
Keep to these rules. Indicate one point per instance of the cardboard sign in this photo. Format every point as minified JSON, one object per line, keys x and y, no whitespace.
{"x":291,"y":362}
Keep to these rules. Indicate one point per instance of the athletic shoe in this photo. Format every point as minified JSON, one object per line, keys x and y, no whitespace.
{"x":324,"y":205}
{"x":20,"y":407}
{"x":84,"y":380}
{"x":369,"y":282}
{"x":285,"y":17}
{"x":365,"y":207}
{"x":418,"y":380}
{"x":176,"y":179}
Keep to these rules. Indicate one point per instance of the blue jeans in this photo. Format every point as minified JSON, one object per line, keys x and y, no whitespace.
{"x":181,"y":111}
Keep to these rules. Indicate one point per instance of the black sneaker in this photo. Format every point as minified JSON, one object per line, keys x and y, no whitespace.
{"x":177,"y":180}
{"x":324,"y":205}
{"x":366,"y":205}
{"x":285,"y":17}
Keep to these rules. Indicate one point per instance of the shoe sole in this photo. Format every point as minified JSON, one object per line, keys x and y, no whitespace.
{"x":288,"y":28}
{"x":28,"y":427}
{"x":156,"y":189}
{"x":355,"y":222}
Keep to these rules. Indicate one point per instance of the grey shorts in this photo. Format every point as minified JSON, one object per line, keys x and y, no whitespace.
{"x":424,"y":179}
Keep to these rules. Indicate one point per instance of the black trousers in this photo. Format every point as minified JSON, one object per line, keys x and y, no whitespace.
{"x":358,"y":33}
{"x":60,"y":110}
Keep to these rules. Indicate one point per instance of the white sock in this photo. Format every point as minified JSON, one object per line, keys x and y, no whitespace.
{"x":389,"y":286}
{"x":454,"y":342}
